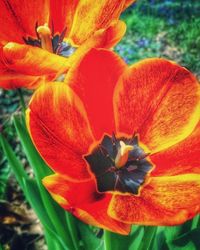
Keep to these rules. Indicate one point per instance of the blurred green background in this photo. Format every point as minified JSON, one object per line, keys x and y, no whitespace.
{"x":167,"y":28}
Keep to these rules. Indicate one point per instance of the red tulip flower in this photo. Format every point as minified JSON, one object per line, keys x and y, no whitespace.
{"x":124,"y":142}
{"x":37,"y":36}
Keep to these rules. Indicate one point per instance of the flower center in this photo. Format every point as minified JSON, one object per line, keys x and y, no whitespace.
{"x":46,"y":39}
{"x":119,"y":164}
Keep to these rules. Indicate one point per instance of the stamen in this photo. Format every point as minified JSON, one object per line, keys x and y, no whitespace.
{"x":45,"y":36}
{"x":122,"y":154}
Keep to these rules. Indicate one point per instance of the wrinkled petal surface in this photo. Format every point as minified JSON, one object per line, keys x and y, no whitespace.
{"x":81,"y":199}
{"x":17,"y":60}
{"x":108,"y":38}
{"x":101,"y":39}
{"x":13,"y":80}
{"x":32,"y":60}
{"x":159,"y":100}
{"x":93,"y":79}
{"x":89,"y":17}
{"x":80,"y":18}
{"x":163,"y":201}
{"x":59,"y":128}
{"x":184,"y":157}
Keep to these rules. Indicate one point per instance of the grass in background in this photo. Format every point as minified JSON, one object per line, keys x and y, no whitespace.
{"x":169,"y":29}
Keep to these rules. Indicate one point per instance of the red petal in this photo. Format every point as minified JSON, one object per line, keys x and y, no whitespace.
{"x":60,"y":130}
{"x":159,"y":100}
{"x":18,"y":18}
{"x":82,"y":200}
{"x":94,"y":79}
{"x":164,"y":201}
{"x":62,"y":13}
{"x":179,"y":159}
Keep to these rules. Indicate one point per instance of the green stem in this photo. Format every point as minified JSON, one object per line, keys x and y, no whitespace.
{"x":21,"y":99}
{"x":72,"y":230}
{"x":107,"y":240}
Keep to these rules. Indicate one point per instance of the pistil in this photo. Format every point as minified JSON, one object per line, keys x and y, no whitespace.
{"x":122,"y":154}
{"x":45,"y":36}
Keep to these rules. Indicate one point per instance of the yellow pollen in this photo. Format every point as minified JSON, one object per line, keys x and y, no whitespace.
{"x":122,"y":154}
{"x":44,"y":33}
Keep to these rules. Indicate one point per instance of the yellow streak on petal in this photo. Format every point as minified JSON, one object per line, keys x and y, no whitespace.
{"x":59,"y":199}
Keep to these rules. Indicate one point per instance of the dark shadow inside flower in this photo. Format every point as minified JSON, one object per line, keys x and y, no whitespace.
{"x":52,"y":42}
{"x":119,"y":164}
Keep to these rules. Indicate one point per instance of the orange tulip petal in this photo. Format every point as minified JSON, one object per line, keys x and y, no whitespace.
{"x":18,"y":18}
{"x":90,"y":17}
{"x":181,"y":158}
{"x":30,"y":60}
{"x":101,"y":39}
{"x":82,"y":200}
{"x":59,"y":128}
{"x":164,"y":201}
{"x":93,"y":79}
{"x":13,"y":80}
{"x":159,"y":100}
{"x":108,"y":38}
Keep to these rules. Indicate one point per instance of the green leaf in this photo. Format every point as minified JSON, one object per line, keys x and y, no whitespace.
{"x":174,"y":232}
{"x":55,"y":213}
{"x":4,"y":175}
{"x":148,"y":237}
{"x":13,"y":161}
{"x":37,"y":204}
{"x":190,"y":240}
{"x":73,"y":229}
{"x":159,"y":241}
{"x":39,"y":166}
{"x":131,"y":241}
{"x":90,"y":240}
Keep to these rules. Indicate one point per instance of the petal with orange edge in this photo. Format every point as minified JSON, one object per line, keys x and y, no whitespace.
{"x":30,"y":60}
{"x":82,"y":200}
{"x":94,"y":79}
{"x":128,"y":3}
{"x":13,"y":80}
{"x":109,"y":37}
{"x":59,"y":128}
{"x":164,"y":201}
{"x":181,"y":158}
{"x":159,"y":100}
{"x":18,"y":18}
{"x":100,"y":39}
{"x":90,"y":17}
